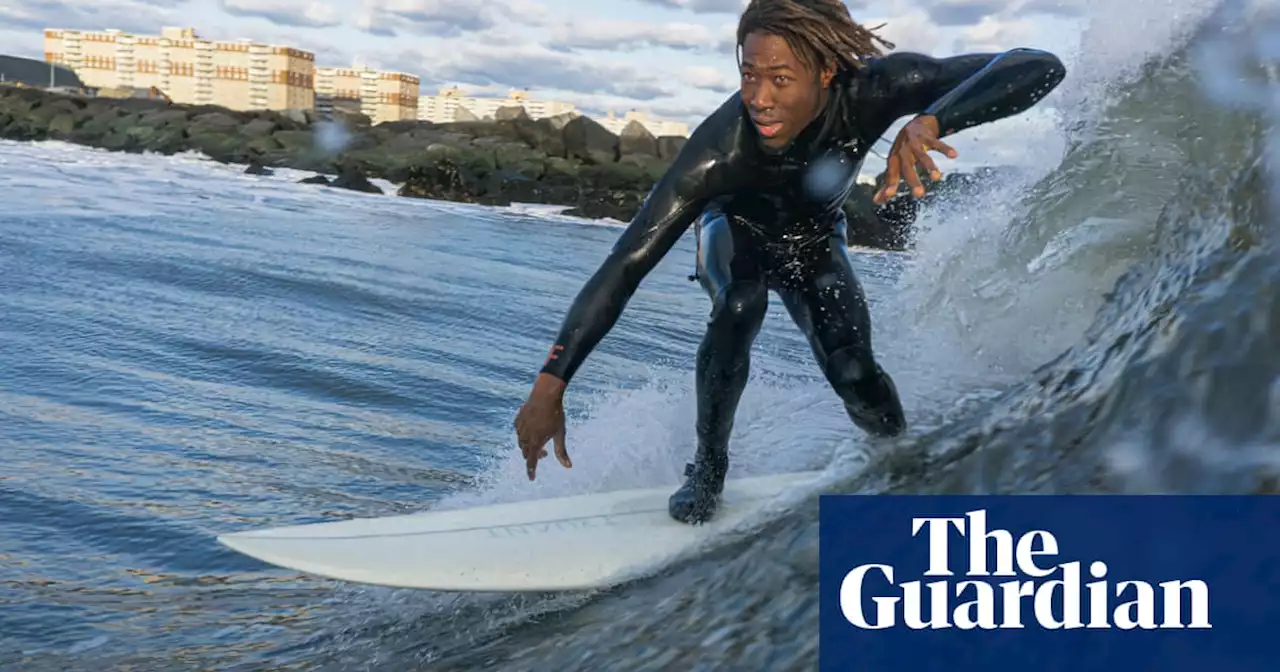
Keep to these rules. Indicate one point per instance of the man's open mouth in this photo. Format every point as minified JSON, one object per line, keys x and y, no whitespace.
{"x":767,"y":128}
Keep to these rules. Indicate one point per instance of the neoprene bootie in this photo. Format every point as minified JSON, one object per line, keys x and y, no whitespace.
{"x":883,"y":416}
{"x":696,"y":501}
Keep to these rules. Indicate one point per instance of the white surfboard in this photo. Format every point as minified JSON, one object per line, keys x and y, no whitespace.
{"x":566,"y":543}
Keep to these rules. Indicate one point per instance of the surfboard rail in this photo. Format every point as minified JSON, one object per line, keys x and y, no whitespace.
{"x":578,"y":542}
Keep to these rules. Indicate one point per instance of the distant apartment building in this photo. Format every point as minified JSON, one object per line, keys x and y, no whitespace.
{"x":450,"y":105}
{"x":658,"y":127}
{"x":379,"y":95}
{"x":239,"y":75}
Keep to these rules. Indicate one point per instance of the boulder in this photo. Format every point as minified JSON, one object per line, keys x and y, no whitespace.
{"x":259,"y":127}
{"x":510,"y":113}
{"x":353,"y":178}
{"x":635,"y":139}
{"x":669,"y":146}
{"x":256,"y":168}
{"x":589,"y":142}
{"x":351,"y":118}
{"x":559,"y":121}
{"x":300,"y":117}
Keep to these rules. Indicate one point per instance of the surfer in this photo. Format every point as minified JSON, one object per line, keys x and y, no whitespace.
{"x":765,"y":177}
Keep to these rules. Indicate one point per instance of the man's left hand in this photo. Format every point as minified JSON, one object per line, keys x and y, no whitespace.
{"x":909,"y":149}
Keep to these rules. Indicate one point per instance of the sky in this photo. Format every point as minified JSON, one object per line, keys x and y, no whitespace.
{"x":670,"y":58}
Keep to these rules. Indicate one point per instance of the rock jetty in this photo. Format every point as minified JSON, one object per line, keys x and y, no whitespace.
{"x":571,"y":161}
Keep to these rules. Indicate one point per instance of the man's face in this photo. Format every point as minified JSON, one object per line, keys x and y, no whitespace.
{"x":781,"y":94}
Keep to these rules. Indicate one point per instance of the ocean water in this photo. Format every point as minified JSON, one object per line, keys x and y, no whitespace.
{"x":186,"y":350}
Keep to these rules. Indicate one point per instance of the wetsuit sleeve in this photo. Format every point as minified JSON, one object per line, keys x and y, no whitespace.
{"x":962,"y":91}
{"x":672,"y":205}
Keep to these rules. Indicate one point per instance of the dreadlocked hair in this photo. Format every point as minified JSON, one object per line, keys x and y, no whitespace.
{"x":820,"y":32}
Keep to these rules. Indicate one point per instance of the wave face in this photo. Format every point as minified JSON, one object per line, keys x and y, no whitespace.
{"x":190,"y":351}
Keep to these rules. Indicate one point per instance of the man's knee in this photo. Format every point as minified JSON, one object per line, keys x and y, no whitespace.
{"x":740,"y":305}
{"x":851,"y":367}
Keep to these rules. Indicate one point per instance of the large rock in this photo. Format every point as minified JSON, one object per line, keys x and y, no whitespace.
{"x":558,"y":121}
{"x":589,"y":142}
{"x":354,"y":178}
{"x":669,"y":146}
{"x":351,"y":118}
{"x":510,"y":113}
{"x":300,"y":117}
{"x":349,"y":177}
{"x":214,"y":122}
{"x":635,"y":139}
{"x":567,"y":159}
{"x":543,"y":135}
{"x":443,"y":179}
{"x":885,"y":227}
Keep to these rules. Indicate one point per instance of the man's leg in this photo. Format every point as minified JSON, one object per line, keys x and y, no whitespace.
{"x":739,"y":303}
{"x":830,"y":308}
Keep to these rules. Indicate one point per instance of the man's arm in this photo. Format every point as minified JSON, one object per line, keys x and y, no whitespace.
{"x":962,"y":91}
{"x":676,"y":200}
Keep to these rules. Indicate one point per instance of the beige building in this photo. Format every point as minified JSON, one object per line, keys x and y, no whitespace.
{"x":451,"y":105}
{"x":658,"y":127}
{"x":379,"y":95}
{"x":445,"y":106}
{"x":240,"y":75}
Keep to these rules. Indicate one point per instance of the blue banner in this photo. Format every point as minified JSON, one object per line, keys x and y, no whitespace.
{"x":1038,"y":583}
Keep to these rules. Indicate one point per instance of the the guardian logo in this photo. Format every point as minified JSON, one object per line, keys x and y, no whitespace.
{"x":982,"y":602}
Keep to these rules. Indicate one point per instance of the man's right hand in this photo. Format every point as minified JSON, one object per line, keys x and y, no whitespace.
{"x":541,"y":419}
{"x":910,"y":152}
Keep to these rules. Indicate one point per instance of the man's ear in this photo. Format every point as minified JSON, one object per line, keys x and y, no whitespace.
{"x":826,"y":75}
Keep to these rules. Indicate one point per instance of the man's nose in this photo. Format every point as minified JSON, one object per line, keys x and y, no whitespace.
{"x":762,"y":97}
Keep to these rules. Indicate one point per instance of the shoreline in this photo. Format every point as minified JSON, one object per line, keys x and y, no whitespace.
{"x":571,"y":162}
{"x":294,"y":177}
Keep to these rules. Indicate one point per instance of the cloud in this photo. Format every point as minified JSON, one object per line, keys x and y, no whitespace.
{"x":674,"y":108}
{"x":1062,"y":8}
{"x":911,"y":31}
{"x":710,"y":78}
{"x":21,"y":42}
{"x":992,"y":35}
{"x":327,"y":54}
{"x":702,"y":6}
{"x":618,"y":35}
{"x":435,"y":18}
{"x":529,"y":65}
{"x":681,"y":109}
{"x":294,"y":13}
{"x":126,"y":15}
{"x":962,"y":12}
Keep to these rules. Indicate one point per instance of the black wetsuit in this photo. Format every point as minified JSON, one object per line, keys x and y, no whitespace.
{"x":773,"y":220}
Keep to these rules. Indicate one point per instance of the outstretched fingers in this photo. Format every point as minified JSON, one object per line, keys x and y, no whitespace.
{"x":940,"y":146}
{"x":908,"y":161}
{"x":892,"y":176}
{"x":922,"y":157}
{"x":562,"y":453}
{"x":919,"y":155}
